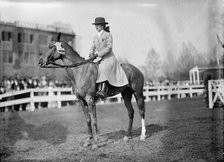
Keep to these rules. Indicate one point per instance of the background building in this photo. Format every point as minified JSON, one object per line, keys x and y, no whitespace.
{"x":201,"y":74}
{"x":21,"y":45}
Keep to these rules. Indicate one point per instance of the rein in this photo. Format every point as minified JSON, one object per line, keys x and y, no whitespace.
{"x":56,"y":65}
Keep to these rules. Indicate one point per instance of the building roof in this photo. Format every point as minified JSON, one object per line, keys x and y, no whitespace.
{"x":49,"y":28}
{"x":201,"y":69}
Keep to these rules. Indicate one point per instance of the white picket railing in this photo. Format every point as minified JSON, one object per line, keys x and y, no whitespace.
{"x":215,"y":92}
{"x":56,"y":96}
{"x":37,"y":95}
{"x":172,"y":91}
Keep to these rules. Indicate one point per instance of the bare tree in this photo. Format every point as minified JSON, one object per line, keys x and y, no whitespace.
{"x":169,"y":66}
{"x":153,"y":66}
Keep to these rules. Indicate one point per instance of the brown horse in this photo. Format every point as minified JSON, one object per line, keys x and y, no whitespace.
{"x":83,"y":74}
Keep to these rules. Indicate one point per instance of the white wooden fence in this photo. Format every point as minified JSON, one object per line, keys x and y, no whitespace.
{"x":55,"y":96}
{"x":215,"y":92}
{"x":169,"y":92}
{"x":37,"y":95}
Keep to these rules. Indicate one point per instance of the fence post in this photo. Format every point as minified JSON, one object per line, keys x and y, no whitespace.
{"x":20,"y":107}
{"x":119,"y":99}
{"x":169,"y":95}
{"x":210,"y":94}
{"x":147,"y":98}
{"x":178,"y":92}
{"x":6,"y":109}
{"x":191,"y":93}
{"x":158,"y":95}
{"x":58,"y":100}
{"x":32,"y":107}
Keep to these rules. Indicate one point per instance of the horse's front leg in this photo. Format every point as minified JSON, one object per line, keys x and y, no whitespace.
{"x":88,"y":121}
{"x":92,"y":111}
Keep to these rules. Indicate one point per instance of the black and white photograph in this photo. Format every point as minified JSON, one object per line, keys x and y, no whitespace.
{"x":111,"y":80}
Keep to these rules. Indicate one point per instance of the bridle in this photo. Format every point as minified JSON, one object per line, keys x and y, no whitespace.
{"x":61,"y":52}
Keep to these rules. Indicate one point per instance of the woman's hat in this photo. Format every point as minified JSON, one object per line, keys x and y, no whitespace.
{"x":99,"y":20}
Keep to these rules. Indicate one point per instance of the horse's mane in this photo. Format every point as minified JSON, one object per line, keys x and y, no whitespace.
{"x":71,"y":49}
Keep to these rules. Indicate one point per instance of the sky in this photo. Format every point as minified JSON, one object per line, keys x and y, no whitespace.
{"x":136,"y":25}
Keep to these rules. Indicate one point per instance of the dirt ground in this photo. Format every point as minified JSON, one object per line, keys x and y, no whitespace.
{"x":177,"y":130}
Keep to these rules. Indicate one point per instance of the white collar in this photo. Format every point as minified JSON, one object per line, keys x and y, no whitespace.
{"x":100,"y":33}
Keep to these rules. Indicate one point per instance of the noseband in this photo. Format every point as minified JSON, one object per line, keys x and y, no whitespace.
{"x":61,"y":51}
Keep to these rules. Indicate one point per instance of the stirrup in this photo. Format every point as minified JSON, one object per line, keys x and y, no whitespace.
{"x":101,"y":94}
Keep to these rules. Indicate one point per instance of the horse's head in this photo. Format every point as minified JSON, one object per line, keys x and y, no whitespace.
{"x":54,"y":52}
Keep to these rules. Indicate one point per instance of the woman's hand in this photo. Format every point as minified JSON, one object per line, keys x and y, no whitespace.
{"x":92,"y":55}
{"x":97,"y":59}
{"x":96,"y":55}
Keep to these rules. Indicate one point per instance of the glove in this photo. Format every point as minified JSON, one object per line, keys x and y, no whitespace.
{"x":92,"y":55}
{"x":97,"y":60}
{"x":95,"y":55}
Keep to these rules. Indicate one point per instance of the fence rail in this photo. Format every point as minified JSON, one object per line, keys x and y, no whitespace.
{"x":55,"y":96}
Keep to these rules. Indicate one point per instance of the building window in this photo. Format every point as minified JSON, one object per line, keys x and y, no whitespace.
{"x":25,"y":38}
{"x":42,"y":40}
{"x":19,"y":37}
{"x":8,"y":56}
{"x":31,"y":38}
{"x":9,"y":36}
{"x":26,"y":57}
{"x":3,"y":36}
{"x":6,"y":36}
{"x":32,"y":58}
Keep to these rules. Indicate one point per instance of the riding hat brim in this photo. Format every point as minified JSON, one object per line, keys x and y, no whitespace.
{"x":100,"y":23}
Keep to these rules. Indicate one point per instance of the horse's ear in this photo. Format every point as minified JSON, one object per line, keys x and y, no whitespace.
{"x":59,"y":36}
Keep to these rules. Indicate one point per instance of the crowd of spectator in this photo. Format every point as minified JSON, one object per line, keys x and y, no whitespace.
{"x":16,"y":84}
{"x":171,"y":83}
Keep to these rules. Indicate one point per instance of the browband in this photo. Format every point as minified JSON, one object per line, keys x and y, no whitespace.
{"x":59,"y":48}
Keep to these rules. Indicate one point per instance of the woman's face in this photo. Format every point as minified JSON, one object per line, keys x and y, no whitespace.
{"x":99,"y":27}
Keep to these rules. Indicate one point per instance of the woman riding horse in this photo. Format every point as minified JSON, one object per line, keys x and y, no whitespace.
{"x":83,"y":74}
{"x":109,"y":69}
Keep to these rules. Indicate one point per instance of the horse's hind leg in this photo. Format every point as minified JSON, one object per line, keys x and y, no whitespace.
{"x":141,"y":106}
{"x":127,"y":94}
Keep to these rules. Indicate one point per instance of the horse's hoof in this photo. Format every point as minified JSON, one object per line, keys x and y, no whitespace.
{"x":142,"y":138}
{"x":95,"y":146}
{"x":86,"y":144}
{"x":126,"y":138}
{"x":89,"y":139}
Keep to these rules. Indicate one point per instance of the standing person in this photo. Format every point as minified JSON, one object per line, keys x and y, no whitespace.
{"x":109,"y":70}
{"x":30,"y":83}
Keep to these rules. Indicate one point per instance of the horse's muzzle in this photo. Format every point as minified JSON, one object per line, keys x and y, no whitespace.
{"x":42,"y":63}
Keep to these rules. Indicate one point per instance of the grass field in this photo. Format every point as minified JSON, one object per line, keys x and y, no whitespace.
{"x":177,"y":130}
